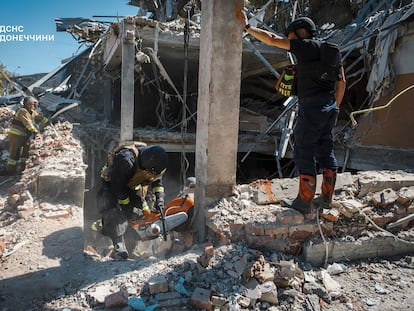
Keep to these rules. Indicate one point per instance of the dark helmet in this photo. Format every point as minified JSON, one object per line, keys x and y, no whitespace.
{"x":153,"y":159}
{"x":302,"y":22}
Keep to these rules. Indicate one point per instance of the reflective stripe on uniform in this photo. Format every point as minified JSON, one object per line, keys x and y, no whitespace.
{"x":11,"y":162}
{"x":124,"y":201}
{"x":158,"y":189}
{"x":31,"y":128}
{"x":17,"y":132}
{"x":97,"y":225}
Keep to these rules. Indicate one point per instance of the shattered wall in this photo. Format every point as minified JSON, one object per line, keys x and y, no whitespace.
{"x":393,"y":125}
{"x":158,"y":105}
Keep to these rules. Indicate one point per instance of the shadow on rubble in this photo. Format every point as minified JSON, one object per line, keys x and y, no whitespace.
{"x":74,"y":271}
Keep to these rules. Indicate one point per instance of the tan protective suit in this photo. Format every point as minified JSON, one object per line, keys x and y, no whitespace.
{"x":22,"y":128}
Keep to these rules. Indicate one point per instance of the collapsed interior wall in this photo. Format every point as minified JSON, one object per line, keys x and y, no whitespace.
{"x":393,"y":126}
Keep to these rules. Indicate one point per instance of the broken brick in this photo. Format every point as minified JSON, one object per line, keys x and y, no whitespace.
{"x":331,"y":215}
{"x":278,"y":231}
{"x":205,"y":258}
{"x":290,"y":216}
{"x":57,"y":214}
{"x":2,"y":247}
{"x":209,"y":249}
{"x":218,"y":301}
{"x":201,"y":299}
{"x":384,"y":198}
{"x":383,"y":219}
{"x":255,"y":229}
{"x":406,"y":195}
{"x":16,"y":188}
{"x":158,"y":284}
{"x":303,"y":231}
{"x":269,"y":292}
{"x":243,"y":301}
{"x":118,"y":299}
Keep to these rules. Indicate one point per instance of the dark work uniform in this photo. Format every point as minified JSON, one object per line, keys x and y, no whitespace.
{"x":318,"y":112}
{"x":119,"y":196}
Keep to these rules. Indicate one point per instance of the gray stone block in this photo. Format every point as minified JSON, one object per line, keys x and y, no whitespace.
{"x":54,"y":187}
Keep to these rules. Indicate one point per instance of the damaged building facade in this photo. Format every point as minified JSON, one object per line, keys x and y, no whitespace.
{"x":373,"y":131}
{"x":139,"y":79}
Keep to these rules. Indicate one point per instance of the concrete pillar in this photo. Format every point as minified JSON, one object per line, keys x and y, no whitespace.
{"x":218,"y":107}
{"x":127,"y":80}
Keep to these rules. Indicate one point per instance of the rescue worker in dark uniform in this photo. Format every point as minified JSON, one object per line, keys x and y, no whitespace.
{"x":131,"y":169}
{"x":24,"y":125}
{"x":320,"y":87}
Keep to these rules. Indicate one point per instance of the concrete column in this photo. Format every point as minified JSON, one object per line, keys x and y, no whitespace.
{"x":218,"y":107}
{"x":127,"y":80}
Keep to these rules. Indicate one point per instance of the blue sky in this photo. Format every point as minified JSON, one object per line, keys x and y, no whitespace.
{"x":38,"y":18}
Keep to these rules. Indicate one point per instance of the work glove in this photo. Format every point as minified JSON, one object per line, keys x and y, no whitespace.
{"x":285,"y":84}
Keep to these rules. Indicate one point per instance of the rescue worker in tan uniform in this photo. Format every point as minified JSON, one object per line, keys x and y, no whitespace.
{"x":23,"y":126}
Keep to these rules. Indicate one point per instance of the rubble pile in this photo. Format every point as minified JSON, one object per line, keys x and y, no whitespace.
{"x":56,"y":149}
{"x":234,"y":278}
{"x":6,"y":115}
{"x":54,"y":167}
{"x":367,"y":204}
{"x":240,"y":275}
{"x":253,"y":260}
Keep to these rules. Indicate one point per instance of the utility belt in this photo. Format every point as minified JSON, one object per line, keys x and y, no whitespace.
{"x":317,"y":100}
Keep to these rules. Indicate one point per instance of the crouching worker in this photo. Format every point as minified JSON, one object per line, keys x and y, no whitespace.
{"x":24,"y":126}
{"x":131,"y":168}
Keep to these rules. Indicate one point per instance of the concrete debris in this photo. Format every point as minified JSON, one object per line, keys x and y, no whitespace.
{"x":331,"y":285}
{"x":264,"y":223}
{"x":265,"y":280}
{"x":259,"y":255}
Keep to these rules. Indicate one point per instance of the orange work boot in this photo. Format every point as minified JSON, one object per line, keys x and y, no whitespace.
{"x":303,"y":201}
{"x":327,"y":189}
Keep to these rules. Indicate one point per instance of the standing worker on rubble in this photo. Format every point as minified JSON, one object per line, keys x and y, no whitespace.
{"x":130,"y":169}
{"x":24,"y":126}
{"x":320,"y":87}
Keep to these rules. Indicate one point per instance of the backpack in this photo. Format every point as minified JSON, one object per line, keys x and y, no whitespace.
{"x":331,"y":62}
{"x":107,"y":168}
{"x":327,"y":67}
